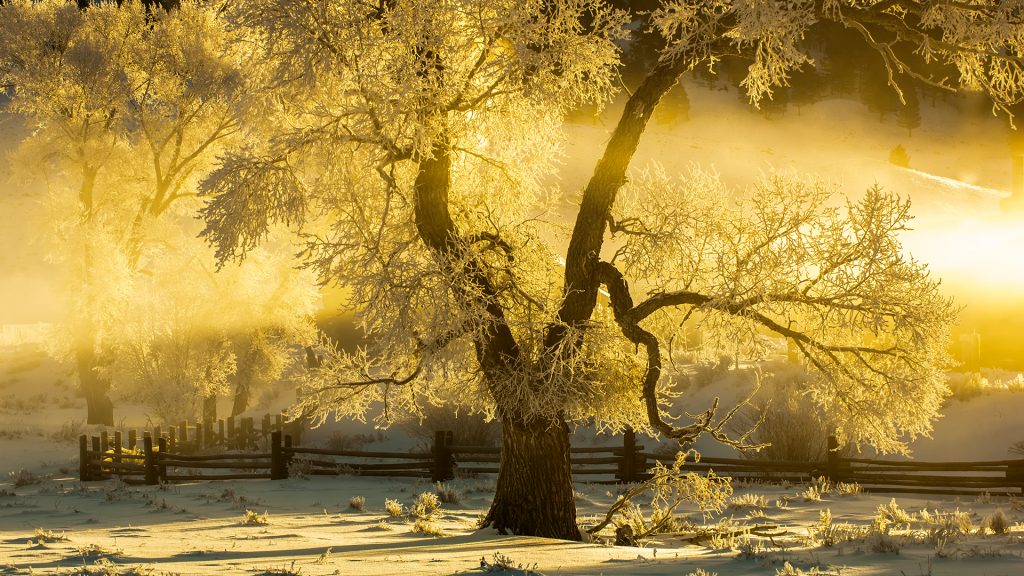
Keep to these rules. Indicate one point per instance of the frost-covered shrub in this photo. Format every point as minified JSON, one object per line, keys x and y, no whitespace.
{"x":964,"y":387}
{"x":427,"y":527}
{"x":24,"y":477}
{"x":997,"y":522}
{"x":426,"y":507}
{"x":357,"y":503}
{"x":786,"y":420}
{"x":748,"y":501}
{"x":447,"y":493}
{"x":394,"y":508}
{"x":251,"y":518}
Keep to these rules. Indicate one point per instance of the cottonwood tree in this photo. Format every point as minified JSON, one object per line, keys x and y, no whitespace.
{"x":412,"y":142}
{"x":130,"y":105}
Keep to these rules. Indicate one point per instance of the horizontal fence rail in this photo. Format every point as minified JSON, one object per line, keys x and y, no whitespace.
{"x":155,"y":460}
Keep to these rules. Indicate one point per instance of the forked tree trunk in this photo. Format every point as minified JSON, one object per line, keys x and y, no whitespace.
{"x":534,"y":493}
{"x":99,"y":408}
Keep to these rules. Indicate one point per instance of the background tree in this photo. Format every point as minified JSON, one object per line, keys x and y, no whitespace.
{"x":131,"y":105}
{"x":410,"y":140}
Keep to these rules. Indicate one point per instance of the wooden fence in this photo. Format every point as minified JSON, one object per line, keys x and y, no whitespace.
{"x":193,"y":437}
{"x":156,"y":461}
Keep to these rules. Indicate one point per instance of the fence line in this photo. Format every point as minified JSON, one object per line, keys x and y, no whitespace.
{"x":157,"y":461}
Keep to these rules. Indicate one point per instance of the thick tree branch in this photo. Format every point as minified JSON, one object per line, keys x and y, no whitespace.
{"x":622,"y":306}
{"x":580,"y":289}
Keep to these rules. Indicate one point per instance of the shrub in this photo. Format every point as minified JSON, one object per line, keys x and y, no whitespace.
{"x":251,"y":518}
{"x":427,"y":527}
{"x":426,"y":507}
{"x":69,"y":432}
{"x":830,"y":533}
{"x":502,"y":564}
{"x":447,"y":493}
{"x":945,"y":527}
{"x":964,"y":387}
{"x":299,"y":468}
{"x":47,"y":536}
{"x":668,"y":487}
{"x":394,"y":508}
{"x":997,"y":522}
{"x":707,"y":372}
{"x":848,"y":488}
{"x":357,"y":503}
{"x":786,"y":420}
{"x":889,"y":516}
{"x":23,"y":478}
{"x":882,"y":543}
{"x":820,"y":488}
{"x":748,"y":501}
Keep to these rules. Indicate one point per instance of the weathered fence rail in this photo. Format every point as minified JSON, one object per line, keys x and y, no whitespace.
{"x":156,"y":461}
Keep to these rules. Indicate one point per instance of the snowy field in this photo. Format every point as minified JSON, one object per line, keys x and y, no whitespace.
{"x":61,"y":526}
{"x":50,"y":523}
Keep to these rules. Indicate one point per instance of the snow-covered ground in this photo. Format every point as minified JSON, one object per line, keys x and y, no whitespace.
{"x":197,"y":528}
{"x":310,"y":529}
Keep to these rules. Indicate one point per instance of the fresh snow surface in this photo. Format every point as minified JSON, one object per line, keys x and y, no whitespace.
{"x":197,"y":528}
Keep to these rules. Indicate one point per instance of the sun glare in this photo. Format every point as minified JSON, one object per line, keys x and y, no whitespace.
{"x":977,"y":252}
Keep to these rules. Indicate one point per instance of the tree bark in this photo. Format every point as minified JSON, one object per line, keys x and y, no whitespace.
{"x":99,"y":407}
{"x":534,"y":493}
{"x":243,"y":386}
{"x":580,"y":289}
{"x":210,"y":408}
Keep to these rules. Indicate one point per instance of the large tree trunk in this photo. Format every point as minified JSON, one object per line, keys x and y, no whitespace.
{"x":534,"y":494}
{"x":99,"y":408}
{"x":210,"y":408}
{"x":243,"y":389}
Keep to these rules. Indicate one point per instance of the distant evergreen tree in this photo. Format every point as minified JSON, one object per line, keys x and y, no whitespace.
{"x":909,"y":116}
{"x":899,"y":156}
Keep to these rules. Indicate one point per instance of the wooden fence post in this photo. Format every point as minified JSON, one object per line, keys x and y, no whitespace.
{"x":160,"y":456}
{"x":198,"y":436}
{"x":208,"y":439}
{"x":1015,"y":472}
{"x":265,"y":426}
{"x":287,"y":453}
{"x":232,"y":436}
{"x":117,"y":447}
{"x":173,"y":438}
{"x":98,"y":455}
{"x":443,"y":468}
{"x":149,"y":460}
{"x":278,"y":466}
{"x":132,"y":439}
{"x":627,"y":465}
{"x":83,"y":459}
{"x":183,"y":435}
{"x":221,"y":439}
{"x":832,"y":464}
{"x":248,"y":433}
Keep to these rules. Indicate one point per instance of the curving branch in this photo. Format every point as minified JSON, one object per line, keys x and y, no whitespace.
{"x":703,"y":423}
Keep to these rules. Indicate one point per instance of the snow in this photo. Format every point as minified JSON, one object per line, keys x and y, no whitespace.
{"x":197,"y":528}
